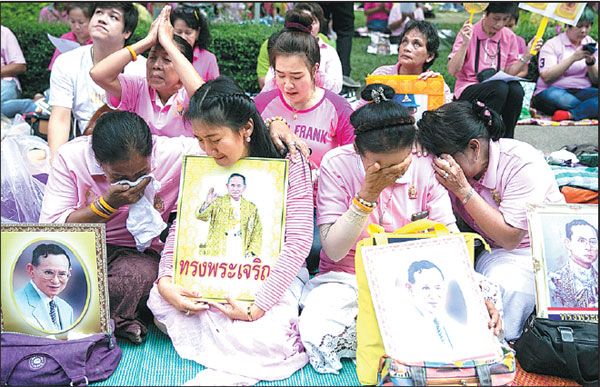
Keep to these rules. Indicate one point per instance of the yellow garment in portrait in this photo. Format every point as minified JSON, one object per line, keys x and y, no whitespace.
{"x":221,"y":215}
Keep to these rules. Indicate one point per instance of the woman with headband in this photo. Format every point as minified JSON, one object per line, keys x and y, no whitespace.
{"x":318,"y":116}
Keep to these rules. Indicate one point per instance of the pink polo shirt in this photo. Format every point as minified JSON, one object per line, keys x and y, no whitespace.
{"x":395,"y":70}
{"x":552,"y":53}
{"x":205,"y":63}
{"x":10,"y":51}
{"x":138,"y":97}
{"x":68,"y":36}
{"x":77,"y":179}
{"x":324,"y":126}
{"x":342,"y":176}
{"x":488,"y":50}
{"x":517,"y":174}
{"x":378,"y":15}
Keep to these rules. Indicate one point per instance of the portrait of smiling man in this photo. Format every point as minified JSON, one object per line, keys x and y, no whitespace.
{"x":50,"y":270}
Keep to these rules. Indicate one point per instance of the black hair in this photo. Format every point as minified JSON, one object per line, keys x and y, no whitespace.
{"x":45,"y":249}
{"x":431,"y":34}
{"x":130,"y":14}
{"x":313,"y":8}
{"x":449,"y":128}
{"x":222,"y":102}
{"x":587,"y":16}
{"x":502,"y":7}
{"x":295,"y":39}
{"x":237,"y":175}
{"x":383,"y":125}
{"x":418,"y":267}
{"x":194,"y":18}
{"x":515,"y":15}
{"x":86,"y":8}
{"x":183,"y":46}
{"x":118,"y":134}
{"x":577,"y":222}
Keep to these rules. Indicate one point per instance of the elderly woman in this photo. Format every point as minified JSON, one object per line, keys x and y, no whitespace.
{"x":86,"y":185}
{"x":568,"y":69}
{"x":490,"y":180}
{"x":417,"y":51}
{"x":484,"y":48}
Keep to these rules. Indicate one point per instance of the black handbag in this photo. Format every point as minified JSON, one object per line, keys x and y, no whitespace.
{"x":560,"y":348}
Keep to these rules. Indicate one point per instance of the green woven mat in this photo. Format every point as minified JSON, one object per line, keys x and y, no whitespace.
{"x":156,"y":363}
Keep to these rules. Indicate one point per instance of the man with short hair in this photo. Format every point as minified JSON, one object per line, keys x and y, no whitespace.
{"x":38,"y":301}
{"x":72,"y":90}
{"x":575,"y":285}
{"x":235,"y":228}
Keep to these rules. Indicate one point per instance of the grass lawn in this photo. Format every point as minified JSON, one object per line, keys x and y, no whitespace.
{"x":363,"y":63}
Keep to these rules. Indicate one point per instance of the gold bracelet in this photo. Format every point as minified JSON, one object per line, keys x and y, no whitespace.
{"x":133,"y":56}
{"x":106,"y":205}
{"x":98,"y":212}
{"x":249,"y":313}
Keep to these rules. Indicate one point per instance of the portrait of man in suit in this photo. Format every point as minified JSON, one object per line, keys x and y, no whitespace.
{"x":49,"y":270}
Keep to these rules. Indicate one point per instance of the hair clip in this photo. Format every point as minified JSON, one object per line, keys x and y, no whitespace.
{"x":486,"y":113}
{"x":480,"y":104}
{"x":490,"y":122}
{"x":377,"y":95}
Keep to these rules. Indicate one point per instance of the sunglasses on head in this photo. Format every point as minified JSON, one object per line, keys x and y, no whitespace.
{"x":188,"y":10}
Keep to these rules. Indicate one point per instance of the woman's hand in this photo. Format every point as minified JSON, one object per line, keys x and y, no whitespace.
{"x":165,"y":29}
{"x":377,"y":178}
{"x":122,"y":194}
{"x":281,"y":134}
{"x":237,"y":310}
{"x":152,"y":37}
{"x":467,"y":32}
{"x":418,"y":149}
{"x":538,"y":46}
{"x":495,"y":322}
{"x":179,"y":297}
{"x":451,"y":175}
{"x":427,"y":74}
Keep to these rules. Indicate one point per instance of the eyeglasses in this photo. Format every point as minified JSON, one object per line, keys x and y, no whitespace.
{"x":50,"y":274}
{"x":592,"y":242}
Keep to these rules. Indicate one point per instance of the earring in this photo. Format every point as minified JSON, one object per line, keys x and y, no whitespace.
{"x":475,"y":159}
{"x":248,"y":139}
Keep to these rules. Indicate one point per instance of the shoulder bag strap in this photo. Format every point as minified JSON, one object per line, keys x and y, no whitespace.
{"x":499,"y":52}
{"x":568,"y":341}
{"x":477,"y":57}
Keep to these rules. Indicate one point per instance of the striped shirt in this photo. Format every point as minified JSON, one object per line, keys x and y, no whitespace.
{"x":298,"y":239}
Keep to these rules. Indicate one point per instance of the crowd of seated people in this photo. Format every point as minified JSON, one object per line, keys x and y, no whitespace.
{"x":353,"y":168}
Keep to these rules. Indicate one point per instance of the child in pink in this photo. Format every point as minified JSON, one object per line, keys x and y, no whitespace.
{"x":191,"y":24}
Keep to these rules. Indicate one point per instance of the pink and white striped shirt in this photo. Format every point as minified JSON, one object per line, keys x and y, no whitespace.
{"x":298,"y":239}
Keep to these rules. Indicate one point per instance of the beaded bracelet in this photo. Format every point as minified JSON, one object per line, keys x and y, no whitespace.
{"x":269,"y":121}
{"x":360,"y":206}
{"x":99,"y":213}
{"x":365,"y":203}
{"x":106,"y":205}
{"x":133,"y":56}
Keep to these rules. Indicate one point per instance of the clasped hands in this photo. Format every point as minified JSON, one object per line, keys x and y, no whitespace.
{"x":161,"y":30}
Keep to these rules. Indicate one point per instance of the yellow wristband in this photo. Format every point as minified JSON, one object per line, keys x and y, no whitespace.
{"x":98,"y":212}
{"x":133,"y":56}
{"x":106,"y":205}
{"x":364,"y":208}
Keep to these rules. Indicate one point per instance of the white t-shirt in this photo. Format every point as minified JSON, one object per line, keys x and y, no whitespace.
{"x":72,"y":87}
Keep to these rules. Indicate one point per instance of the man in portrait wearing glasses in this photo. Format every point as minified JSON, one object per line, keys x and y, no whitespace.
{"x":38,"y":301}
{"x":575,"y":285}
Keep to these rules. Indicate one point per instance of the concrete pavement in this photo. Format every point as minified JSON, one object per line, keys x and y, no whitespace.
{"x":551,"y":138}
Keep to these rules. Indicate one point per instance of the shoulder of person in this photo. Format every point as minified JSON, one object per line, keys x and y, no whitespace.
{"x":520,"y":151}
{"x":341,"y":155}
{"x":137,"y":67}
{"x":265,"y":96}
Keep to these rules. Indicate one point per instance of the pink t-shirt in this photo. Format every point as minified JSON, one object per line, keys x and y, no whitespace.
{"x":77,"y":179}
{"x":522,"y":44}
{"x":138,"y":97}
{"x":378,"y":15}
{"x":488,"y":51}
{"x":516,"y":174}
{"x":395,"y":70}
{"x":68,"y":36}
{"x":10,"y":51}
{"x":205,"y":63}
{"x":342,"y":176}
{"x":552,"y":53}
{"x":298,"y":239}
{"x":324,"y":126}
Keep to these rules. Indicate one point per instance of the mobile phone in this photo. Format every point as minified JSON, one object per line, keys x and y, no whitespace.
{"x":590,"y":47}
{"x":419,"y":215}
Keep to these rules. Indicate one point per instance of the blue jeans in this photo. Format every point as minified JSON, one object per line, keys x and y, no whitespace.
{"x":380,"y":25}
{"x":17,"y":106}
{"x":9,"y":90}
{"x":581,"y":103}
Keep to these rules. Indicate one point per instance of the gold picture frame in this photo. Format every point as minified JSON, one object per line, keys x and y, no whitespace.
{"x":82,"y":303}
{"x":558,"y":237}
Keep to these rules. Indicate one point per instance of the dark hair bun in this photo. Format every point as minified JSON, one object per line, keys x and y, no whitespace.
{"x":297,"y":20}
{"x":377,"y":92}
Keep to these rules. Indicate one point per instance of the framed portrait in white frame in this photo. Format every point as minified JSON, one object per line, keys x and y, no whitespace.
{"x":564,"y":247}
{"x":54,"y":281}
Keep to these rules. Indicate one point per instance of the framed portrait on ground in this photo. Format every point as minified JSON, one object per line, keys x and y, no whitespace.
{"x":54,"y":280}
{"x":230,"y":225}
{"x":564,"y":246}
{"x":415,"y":94}
{"x":428,"y":304}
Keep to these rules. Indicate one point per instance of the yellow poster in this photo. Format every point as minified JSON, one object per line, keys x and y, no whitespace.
{"x":230,"y":225}
{"x":568,"y":13}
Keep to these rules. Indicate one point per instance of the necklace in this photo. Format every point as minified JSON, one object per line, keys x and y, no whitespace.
{"x":307,"y":105}
{"x":492,"y":57}
{"x":384,"y":216}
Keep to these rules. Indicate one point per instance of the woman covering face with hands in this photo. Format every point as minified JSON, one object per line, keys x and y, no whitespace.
{"x":85,"y":186}
{"x":490,"y":180}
